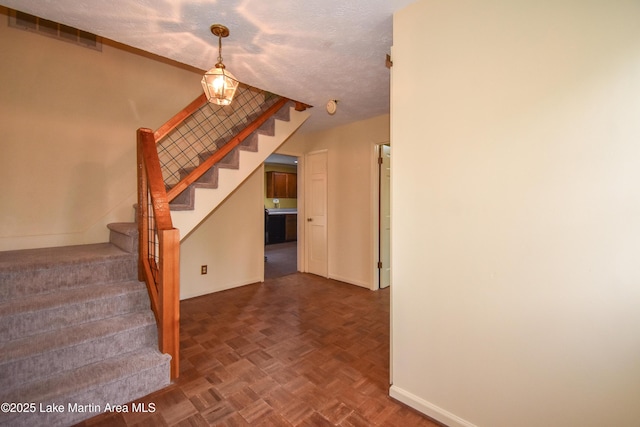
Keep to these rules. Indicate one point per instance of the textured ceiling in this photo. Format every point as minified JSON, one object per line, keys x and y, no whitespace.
{"x":310,"y":51}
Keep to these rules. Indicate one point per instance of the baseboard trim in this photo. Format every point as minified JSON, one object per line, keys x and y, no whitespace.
{"x":224,"y":287}
{"x":349,"y":281}
{"x":427,"y":408}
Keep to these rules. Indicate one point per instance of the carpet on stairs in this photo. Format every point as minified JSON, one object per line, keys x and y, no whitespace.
{"x":77,"y":335}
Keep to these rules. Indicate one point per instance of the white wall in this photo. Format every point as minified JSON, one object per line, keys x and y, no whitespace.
{"x":350,"y":191}
{"x":516,"y":212}
{"x":230,"y":242}
{"x":69,"y":116}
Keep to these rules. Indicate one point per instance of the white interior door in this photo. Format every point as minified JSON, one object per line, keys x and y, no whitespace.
{"x":385,"y":216}
{"x":316,"y":212}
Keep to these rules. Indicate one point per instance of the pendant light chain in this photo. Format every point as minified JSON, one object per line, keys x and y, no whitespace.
{"x":220,"y":51}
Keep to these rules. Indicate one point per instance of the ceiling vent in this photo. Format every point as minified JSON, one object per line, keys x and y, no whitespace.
{"x":27,"y":22}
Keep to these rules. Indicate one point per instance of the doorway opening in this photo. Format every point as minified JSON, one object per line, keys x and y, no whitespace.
{"x":281,"y":216}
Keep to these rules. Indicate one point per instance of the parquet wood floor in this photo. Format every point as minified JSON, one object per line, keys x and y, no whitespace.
{"x":299,"y":350}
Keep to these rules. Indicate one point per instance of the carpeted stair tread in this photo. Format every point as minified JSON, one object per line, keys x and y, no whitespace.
{"x":88,"y":375}
{"x":44,"y":312}
{"x":51,"y":257}
{"x":36,"y":271}
{"x":128,"y":228}
{"x":124,"y":235}
{"x":72,"y":335}
{"x":117,"y":380}
{"x":76,"y":327}
{"x":39,"y":356}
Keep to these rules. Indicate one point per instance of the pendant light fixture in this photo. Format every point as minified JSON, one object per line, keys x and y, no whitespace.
{"x":218,"y":84}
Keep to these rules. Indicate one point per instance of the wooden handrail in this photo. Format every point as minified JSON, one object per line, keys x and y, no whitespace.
{"x":141,"y":212}
{"x":179,"y":118}
{"x":224,"y":150}
{"x":155,"y":180}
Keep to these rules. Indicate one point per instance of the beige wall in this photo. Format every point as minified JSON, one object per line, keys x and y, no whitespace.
{"x":230,"y":242}
{"x":68,"y":161}
{"x":69,"y":116}
{"x":515,"y":212}
{"x":351,"y":189}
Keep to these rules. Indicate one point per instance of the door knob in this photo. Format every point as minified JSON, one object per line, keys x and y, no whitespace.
{"x":309,"y":219}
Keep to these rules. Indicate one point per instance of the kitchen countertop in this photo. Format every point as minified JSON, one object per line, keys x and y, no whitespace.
{"x":283,"y":211}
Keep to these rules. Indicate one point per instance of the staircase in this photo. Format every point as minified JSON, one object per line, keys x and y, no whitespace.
{"x":195,"y":203}
{"x":76,"y":330}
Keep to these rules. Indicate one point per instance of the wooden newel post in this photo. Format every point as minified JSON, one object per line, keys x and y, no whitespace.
{"x":169,"y":296}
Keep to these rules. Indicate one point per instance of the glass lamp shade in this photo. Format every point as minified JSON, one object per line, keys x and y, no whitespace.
{"x":219,"y":85}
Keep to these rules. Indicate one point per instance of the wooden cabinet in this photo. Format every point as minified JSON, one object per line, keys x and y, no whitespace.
{"x":276,"y":229}
{"x":282,"y":228}
{"x":291,"y":227}
{"x":282,"y":185}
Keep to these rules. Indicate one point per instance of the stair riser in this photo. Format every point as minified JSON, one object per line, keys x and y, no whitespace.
{"x":42,"y":365}
{"x":118,"y":392}
{"x":35,"y":322}
{"x":209,"y":178}
{"x":125,"y":234}
{"x":125,"y":242}
{"x":250,"y":144}
{"x":18,"y":284}
{"x":268,"y":127}
{"x":283,"y":114}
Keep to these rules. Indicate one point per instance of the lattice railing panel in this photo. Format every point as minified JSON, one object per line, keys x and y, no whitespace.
{"x":208,"y":129}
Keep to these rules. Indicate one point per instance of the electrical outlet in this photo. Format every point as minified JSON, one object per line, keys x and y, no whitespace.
{"x":203,"y":269}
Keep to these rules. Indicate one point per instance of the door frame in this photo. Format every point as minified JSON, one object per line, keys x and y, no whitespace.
{"x":375,"y":209}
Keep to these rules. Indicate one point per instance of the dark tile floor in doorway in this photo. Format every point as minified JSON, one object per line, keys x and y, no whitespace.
{"x":281,"y":259}
{"x":299,"y":350}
